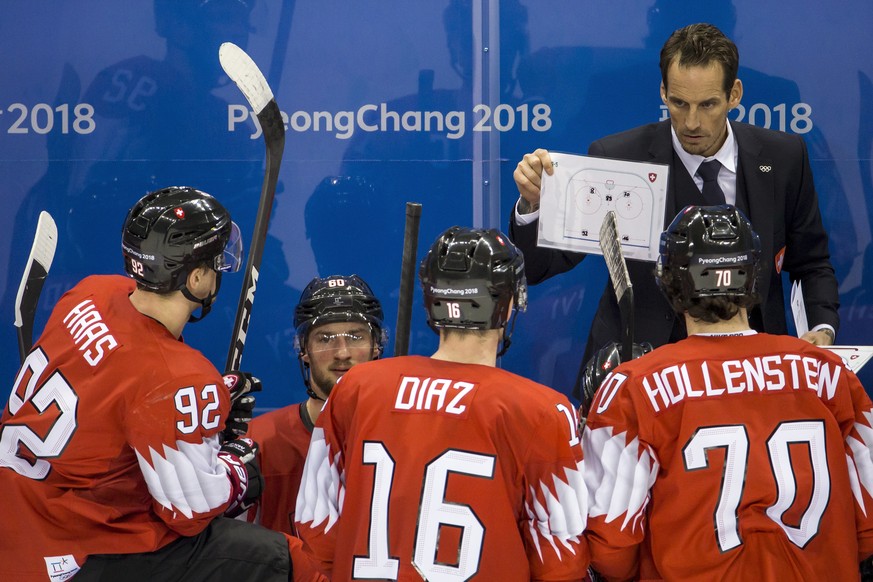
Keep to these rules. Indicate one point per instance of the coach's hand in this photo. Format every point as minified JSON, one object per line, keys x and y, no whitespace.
{"x":528,"y":178}
{"x":821,"y":337}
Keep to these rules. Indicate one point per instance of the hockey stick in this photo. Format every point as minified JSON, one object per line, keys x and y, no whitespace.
{"x":39,"y":262}
{"x":407,"y":279}
{"x":610,"y":245}
{"x":245,"y":73}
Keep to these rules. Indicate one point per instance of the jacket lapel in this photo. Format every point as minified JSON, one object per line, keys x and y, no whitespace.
{"x":661,"y":152}
{"x":755,"y":176}
{"x":681,"y":189}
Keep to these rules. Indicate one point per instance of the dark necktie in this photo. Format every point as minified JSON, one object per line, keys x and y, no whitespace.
{"x":712,"y":193}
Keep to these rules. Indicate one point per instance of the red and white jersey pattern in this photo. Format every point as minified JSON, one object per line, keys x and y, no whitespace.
{"x":109,"y":441}
{"x":731,"y":457}
{"x":421,"y":468}
{"x":283,"y":441}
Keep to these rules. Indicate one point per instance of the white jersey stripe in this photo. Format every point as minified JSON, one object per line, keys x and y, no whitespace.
{"x":187,"y":479}
{"x":321,"y":488}
{"x":861,"y":467}
{"x":563,"y":517}
{"x":618,"y":474}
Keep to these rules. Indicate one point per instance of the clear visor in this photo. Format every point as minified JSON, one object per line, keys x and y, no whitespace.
{"x":230,"y":260}
{"x":320,"y":341}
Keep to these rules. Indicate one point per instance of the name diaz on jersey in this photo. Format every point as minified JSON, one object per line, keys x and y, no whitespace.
{"x":434,"y":395}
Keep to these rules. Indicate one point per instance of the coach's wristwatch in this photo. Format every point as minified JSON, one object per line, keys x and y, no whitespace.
{"x":830,"y":333}
{"x":525,"y":207}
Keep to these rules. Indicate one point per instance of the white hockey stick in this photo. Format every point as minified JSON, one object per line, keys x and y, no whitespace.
{"x":39,"y":262}
{"x":250,"y":80}
{"x":610,"y":245}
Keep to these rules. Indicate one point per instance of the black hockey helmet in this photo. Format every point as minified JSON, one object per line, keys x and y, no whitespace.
{"x":171,"y":231}
{"x":332,"y":299}
{"x":598,"y":367}
{"x":709,"y":251}
{"x":337,"y":298}
{"x":470,"y":277}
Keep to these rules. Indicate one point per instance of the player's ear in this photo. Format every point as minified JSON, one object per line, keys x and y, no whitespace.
{"x":196,"y":276}
{"x":663,"y":93}
{"x":198,"y":280}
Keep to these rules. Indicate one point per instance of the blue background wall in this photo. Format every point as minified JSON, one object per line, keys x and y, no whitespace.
{"x":103,"y":101}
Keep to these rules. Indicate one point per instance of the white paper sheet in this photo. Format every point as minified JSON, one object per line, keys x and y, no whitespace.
{"x":798,"y":308}
{"x":574,"y":200}
{"x":855,"y":356}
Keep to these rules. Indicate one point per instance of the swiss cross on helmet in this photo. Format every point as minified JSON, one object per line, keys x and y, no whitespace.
{"x":710,"y":251}
{"x":470,"y":277}
{"x":171,"y":231}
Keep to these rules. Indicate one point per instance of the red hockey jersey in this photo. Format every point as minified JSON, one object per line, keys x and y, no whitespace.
{"x":283,"y":440}
{"x":421,"y":468}
{"x":731,"y":457}
{"x":108,"y":442}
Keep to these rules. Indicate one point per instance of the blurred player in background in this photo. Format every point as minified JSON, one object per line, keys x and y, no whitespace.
{"x":732,"y":454}
{"x":112,"y":457}
{"x":448,"y":466}
{"x":338,"y":324}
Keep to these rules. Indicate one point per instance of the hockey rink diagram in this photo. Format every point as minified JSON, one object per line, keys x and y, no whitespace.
{"x":579,"y":192}
{"x":591,"y":193}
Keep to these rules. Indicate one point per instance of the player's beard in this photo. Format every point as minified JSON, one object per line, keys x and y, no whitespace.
{"x":322,"y":381}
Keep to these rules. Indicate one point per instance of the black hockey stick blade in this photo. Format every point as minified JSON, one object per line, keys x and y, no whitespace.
{"x":250,"y":80}
{"x":610,"y":245}
{"x":39,"y":262}
{"x":407,"y":279}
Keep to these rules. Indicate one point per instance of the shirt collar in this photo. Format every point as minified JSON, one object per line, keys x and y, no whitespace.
{"x":745,"y":332}
{"x":726,"y":155}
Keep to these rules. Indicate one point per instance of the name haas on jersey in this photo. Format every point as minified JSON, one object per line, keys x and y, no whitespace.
{"x":434,"y":395}
{"x":89,"y":332}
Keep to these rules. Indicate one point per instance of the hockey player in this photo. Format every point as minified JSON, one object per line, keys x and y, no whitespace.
{"x":448,"y":467}
{"x":111,"y":463}
{"x":730,"y":455}
{"x":338,"y":324}
{"x":597,"y":368}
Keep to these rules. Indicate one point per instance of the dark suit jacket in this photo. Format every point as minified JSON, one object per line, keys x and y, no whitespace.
{"x":774,"y":188}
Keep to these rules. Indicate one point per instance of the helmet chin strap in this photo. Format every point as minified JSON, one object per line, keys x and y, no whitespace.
{"x":307,"y":378}
{"x":205,"y":303}
{"x":507,"y":333}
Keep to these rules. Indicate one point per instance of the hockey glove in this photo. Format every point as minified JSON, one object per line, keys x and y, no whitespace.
{"x":241,"y":385}
{"x":246,"y":482}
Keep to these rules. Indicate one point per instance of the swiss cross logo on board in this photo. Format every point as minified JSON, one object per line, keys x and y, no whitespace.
{"x":180,"y":214}
{"x":652,"y":177}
